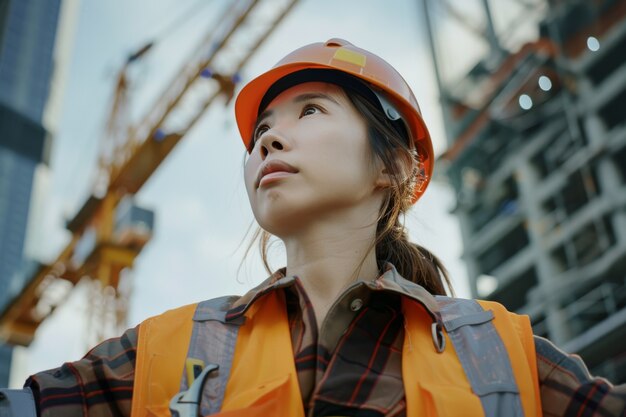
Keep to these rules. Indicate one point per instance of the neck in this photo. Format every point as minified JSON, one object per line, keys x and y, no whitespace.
{"x":327,"y":258}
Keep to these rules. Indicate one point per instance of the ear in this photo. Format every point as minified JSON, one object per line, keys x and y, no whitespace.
{"x":385,"y":178}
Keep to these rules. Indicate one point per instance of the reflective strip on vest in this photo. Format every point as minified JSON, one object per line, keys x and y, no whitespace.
{"x":213,"y":340}
{"x":482,"y":354}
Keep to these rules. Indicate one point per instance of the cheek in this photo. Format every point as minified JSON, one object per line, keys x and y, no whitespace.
{"x":250,"y":170}
{"x":345,"y":156}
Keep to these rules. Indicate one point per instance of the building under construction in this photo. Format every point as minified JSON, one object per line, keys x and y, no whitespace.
{"x":537,"y":158}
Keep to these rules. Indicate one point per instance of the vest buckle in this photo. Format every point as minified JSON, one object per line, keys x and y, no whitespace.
{"x":187,"y":403}
{"x":439,"y":339}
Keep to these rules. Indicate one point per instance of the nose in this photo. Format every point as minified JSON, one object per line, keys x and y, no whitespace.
{"x":270,"y":142}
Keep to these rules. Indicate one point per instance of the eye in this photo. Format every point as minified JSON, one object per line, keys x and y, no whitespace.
{"x":309,"y":109}
{"x":260,"y":130}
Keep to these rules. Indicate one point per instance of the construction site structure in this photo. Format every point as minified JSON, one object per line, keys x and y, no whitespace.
{"x":110,"y":230}
{"x":29,"y":65}
{"x":537,"y":158}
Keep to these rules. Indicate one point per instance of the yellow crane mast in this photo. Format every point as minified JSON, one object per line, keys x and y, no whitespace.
{"x":109,"y":231}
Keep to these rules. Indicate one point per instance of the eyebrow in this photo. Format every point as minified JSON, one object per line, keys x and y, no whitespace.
{"x":310,"y":96}
{"x":302,"y":97}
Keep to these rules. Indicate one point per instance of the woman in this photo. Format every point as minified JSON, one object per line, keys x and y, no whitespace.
{"x":357,"y":323}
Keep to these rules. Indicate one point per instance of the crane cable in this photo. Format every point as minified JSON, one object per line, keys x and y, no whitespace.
{"x":178,"y":22}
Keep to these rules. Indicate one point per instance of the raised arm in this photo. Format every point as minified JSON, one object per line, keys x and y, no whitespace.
{"x":568,"y":389}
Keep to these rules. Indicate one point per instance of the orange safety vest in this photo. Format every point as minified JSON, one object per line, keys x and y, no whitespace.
{"x":263,"y":379}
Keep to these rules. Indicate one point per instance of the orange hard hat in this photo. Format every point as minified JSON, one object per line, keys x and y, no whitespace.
{"x":393,"y":92}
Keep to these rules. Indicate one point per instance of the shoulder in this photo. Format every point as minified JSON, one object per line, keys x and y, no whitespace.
{"x":214,"y":307}
{"x":468,"y":305}
{"x":172,"y":314}
{"x":494,"y":305}
{"x":497,"y":308}
{"x":463,"y":311}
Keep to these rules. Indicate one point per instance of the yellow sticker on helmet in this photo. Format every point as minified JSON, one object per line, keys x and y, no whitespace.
{"x":343,"y":54}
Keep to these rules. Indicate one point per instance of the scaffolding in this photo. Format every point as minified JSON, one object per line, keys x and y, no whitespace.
{"x":537,"y":158}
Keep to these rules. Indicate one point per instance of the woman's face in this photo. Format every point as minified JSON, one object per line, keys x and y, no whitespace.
{"x":315,"y":129}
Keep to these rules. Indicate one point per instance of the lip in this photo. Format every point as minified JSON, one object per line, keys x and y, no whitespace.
{"x":274,"y":176}
{"x":278,"y":168}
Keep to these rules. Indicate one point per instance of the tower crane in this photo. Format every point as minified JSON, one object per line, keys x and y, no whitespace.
{"x":109,"y":231}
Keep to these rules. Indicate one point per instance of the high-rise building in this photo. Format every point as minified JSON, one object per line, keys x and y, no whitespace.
{"x":537,"y":158}
{"x":28,"y":31}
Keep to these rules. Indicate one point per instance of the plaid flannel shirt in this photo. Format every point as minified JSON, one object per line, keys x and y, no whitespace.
{"x":351,"y":366}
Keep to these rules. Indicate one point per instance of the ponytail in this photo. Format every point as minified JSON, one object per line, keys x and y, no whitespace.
{"x":412,"y":261}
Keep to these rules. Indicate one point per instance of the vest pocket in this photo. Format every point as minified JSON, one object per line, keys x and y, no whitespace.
{"x":157,"y":411}
{"x":449,"y":401}
{"x":270,"y":398}
{"x":158,"y":387}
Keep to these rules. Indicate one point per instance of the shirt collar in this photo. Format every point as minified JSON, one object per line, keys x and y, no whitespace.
{"x":390,"y":281}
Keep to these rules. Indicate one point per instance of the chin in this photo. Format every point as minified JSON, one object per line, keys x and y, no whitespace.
{"x":281,"y":217}
{"x":279,"y":224}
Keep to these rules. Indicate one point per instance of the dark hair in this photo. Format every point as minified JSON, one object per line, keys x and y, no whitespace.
{"x":399,"y":156}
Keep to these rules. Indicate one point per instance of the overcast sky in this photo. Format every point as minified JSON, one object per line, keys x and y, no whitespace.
{"x":202,"y":211}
